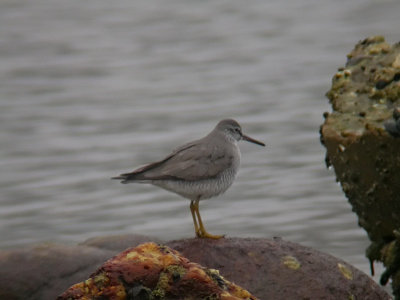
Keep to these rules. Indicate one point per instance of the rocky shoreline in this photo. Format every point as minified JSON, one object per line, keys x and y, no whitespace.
{"x":268,"y":269}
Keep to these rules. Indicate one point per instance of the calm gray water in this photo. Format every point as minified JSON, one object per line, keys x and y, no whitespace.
{"x":90,"y":89}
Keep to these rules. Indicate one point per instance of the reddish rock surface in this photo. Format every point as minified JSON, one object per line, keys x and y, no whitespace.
{"x":152,"y":271}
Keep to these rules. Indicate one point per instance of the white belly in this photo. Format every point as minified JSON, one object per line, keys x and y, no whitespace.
{"x":202,"y":189}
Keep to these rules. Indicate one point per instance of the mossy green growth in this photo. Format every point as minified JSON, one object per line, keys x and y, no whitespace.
{"x":176,"y":271}
{"x":101,"y":280}
{"x":212,"y":297}
{"x":170,"y":274}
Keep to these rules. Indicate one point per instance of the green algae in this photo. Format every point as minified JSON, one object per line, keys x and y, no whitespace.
{"x":170,"y":274}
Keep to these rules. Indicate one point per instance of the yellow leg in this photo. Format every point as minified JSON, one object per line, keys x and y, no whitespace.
{"x":202,"y":232}
{"x":196,"y":226}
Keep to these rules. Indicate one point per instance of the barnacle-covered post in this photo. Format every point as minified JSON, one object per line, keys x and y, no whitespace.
{"x":361,"y":136}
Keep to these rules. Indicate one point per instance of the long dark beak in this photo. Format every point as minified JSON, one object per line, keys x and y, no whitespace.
{"x":251,"y":140}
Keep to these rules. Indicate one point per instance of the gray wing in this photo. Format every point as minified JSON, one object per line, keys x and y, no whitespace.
{"x":194,"y":161}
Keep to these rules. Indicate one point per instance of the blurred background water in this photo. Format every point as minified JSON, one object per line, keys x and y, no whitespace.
{"x":91,"y":89}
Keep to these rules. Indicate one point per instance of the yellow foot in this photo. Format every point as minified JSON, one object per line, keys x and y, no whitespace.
{"x":198,"y":223}
{"x":206,"y":235}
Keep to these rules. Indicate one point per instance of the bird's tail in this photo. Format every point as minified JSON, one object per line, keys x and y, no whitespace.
{"x":120,"y":177}
{"x":123,"y":177}
{"x":131,"y":177}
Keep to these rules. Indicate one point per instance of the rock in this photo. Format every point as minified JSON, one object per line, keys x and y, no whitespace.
{"x":360,"y":136}
{"x":152,"y":271}
{"x":278,"y":269}
{"x":269,"y":269}
{"x":44,"y":271}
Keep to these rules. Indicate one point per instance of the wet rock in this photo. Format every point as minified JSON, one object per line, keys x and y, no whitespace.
{"x":360,"y":136}
{"x":269,"y":269}
{"x":152,"y":271}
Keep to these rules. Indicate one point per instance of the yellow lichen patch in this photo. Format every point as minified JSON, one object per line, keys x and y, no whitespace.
{"x":154,"y":254}
{"x":396,"y":63}
{"x":291,"y":262}
{"x":101,"y":280}
{"x":375,"y":49}
{"x":346,"y":272}
{"x":132,"y":255}
{"x":162,"y":286}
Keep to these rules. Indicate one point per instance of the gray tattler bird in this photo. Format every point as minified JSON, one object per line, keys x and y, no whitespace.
{"x":198,"y":170}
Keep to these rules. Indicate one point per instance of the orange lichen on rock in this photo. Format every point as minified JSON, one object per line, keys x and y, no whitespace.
{"x":152,"y":271}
